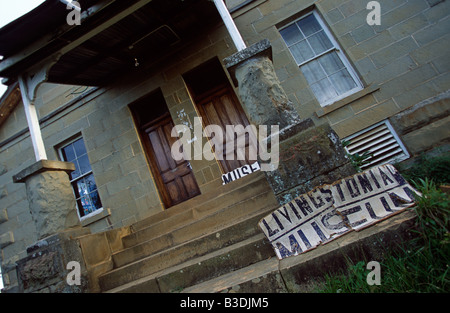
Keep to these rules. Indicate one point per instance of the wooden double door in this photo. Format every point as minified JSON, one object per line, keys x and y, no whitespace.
{"x":175,"y":179}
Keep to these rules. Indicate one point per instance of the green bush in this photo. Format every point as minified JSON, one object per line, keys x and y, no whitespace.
{"x":420,"y":265}
{"x":436,"y":169}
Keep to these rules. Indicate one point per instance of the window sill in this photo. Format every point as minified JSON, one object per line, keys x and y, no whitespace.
{"x":96,"y":216}
{"x":343,"y":102}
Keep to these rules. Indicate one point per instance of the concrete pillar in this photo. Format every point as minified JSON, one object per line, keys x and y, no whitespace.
{"x":50,"y":196}
{"x":309,"y":155}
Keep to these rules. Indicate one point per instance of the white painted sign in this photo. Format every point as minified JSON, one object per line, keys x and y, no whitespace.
{"x":330,"y":211}
{"x":240,"y":172}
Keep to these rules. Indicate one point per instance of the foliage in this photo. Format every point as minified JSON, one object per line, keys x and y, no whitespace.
{"x":420,"y":265}
{"x":358,"y":160}
{"x":436,"y":169}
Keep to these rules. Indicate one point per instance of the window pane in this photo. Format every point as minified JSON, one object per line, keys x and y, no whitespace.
{"x":90,"y":183}
{"x":75,"y":173}
{"x":301,"y":52}
{"x":85,"y":206}
{"x":82,"y":187}
{"x":83,"y":163}
{"x":291,"y":34}
{"x":323,"y":90}
{"x":331,"y":63}
{"x":320,"y":42}
{"x":68,"y":153}
{"x":313,"y":72}
{"x":95,"y":199}
{"x":342,"y":81}
{"x":79,"y":147}
{"x":309,"y":25}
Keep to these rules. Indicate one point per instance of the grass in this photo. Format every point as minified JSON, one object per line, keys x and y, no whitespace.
{"x":419,"y":265}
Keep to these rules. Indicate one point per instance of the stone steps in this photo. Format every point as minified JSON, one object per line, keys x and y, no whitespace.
{"x":211,"y":248}
{"x":215,"y":229}
{"x":238,"y":258}
{"x":204,"y":198}
{"x":234,"y":198}
{"x":200,"y":269}
{"x":261,"y":277}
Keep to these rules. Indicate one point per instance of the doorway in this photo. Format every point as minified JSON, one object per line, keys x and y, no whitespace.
{"x":218,"y":104}
{"x":175,"y":180}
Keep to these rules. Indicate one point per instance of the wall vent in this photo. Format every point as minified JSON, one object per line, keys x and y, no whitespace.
{"x":381,"y":141}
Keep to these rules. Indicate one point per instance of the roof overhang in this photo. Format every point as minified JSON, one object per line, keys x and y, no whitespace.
{"x":113,"y":36}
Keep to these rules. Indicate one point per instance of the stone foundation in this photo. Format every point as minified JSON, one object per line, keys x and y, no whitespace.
{"x":44,"y":269}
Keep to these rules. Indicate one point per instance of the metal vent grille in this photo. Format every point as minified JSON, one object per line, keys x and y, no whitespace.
{"x":381,"y":141}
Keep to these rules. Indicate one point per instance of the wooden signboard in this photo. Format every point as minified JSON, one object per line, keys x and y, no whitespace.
{"x":330,"y":211}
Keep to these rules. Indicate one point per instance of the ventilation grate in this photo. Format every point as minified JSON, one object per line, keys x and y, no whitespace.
{"x":381,"y":141}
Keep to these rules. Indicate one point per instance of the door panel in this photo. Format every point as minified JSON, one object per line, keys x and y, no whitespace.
{"x":175,"y":178}
{"x":223,"y":108}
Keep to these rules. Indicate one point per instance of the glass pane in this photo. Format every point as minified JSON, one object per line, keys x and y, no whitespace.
{"x":86,"y":205}
{"x":79,"y":147}
{"x":342,"y":81}
{"x":83,"y":163}
{"x":301,"y":52}
{"x":82,"y":188}
{"x":323,"y":90}
{"x":320,"y":42}
{"x":95,"y":199}
{"x":313,"y":72}
{"x":331,"y":63}
{"x":309,"y":25}
{"x":90,"y":183}
{"x":68,"y":153}
{"x":75,"y":173}
{"x":291,"y":34}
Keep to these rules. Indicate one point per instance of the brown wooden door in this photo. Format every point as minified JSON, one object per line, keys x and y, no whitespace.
{"x":175,"y":179}
{"x":223,"y":108}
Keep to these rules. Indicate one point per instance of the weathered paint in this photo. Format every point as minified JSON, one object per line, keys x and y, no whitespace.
{"x":330,"y":211}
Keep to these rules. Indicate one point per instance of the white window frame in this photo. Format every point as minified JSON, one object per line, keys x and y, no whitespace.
{"x":336,"y":47}
{"x":61,"y":156}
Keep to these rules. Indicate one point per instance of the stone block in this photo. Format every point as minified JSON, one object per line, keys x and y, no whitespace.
{"x":429,"y":136}
{"x":95,"y":248}
{"x":393,"y":52}
{"x":6,"y":239}
{"x":50,"y":196}
{"x":411,"y":26}
{"x":307,"y":156}
{"x":432,"y":50}
{"x":44,"y":269}
{"x":422,"y":114}
{"x":3,"y":216}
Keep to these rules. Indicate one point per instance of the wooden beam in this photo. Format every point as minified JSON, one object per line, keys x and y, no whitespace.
{"x":230,"y":25}
{"x":10,"y":100}
{"x":33,"y":122}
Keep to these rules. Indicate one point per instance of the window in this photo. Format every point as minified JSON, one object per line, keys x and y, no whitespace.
{"x":325,"y":67}
{"x":379,"y":141}
{"x":82,"y":179}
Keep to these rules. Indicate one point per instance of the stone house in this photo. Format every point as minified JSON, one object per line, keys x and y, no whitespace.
{"x":101,"y":99}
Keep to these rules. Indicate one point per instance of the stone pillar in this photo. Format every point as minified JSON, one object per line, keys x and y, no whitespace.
{"x":309,"y":155}
{"x":53,"y":208}
{"x":50,"y":196}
